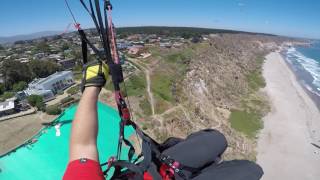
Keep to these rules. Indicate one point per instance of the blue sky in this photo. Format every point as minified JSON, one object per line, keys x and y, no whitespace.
{"x":300,"y":18}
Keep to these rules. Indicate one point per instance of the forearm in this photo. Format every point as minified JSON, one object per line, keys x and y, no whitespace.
{"x":85,"y":126}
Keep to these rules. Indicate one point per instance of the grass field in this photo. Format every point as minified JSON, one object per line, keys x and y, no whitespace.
{"x":246,"y":122}
{"x":248,"y":118}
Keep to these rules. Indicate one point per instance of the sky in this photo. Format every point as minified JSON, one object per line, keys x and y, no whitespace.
{"x":297,"y":18}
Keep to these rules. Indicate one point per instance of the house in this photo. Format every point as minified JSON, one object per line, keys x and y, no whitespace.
{"x":67,"y":63}
{"x":39,"y":56}
{"x":145,"y":55}
{"x":134,"y":50}
{"x":8,"y":107}
{"x":122,"y":45}
{"x":55,"y":56}
{"x":177,"y":44}
{"x":23,"y":60}
{"x":50,"y":86}
{"x":166,"y":44}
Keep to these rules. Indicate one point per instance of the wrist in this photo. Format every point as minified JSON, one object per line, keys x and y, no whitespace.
{"x":92,"y":91}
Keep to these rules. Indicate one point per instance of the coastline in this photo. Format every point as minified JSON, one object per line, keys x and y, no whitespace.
{"x":284,"y":145}
{"x":299,"y":77}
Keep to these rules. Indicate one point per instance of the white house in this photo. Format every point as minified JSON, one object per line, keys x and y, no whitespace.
{"x":48,"y":87}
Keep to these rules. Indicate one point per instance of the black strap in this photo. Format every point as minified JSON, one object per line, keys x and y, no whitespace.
{"x":103,"y":32}
{"x":126,"y":165}
{"x":84,"y":47}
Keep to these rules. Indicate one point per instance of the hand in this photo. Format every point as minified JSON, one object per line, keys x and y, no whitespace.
{"x":95,"y":74}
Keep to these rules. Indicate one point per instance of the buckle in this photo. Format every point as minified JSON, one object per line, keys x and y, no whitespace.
{"x":111,"y":160}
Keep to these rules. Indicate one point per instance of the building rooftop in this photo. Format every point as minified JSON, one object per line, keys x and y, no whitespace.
{"x":49,"y":78}
{"x":7,"y":105}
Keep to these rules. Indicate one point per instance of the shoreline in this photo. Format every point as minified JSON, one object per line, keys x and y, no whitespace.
{"x":284,"y":145}
{"x":299,"y":78}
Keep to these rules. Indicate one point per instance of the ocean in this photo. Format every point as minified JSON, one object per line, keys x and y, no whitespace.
{"x":305,"y":63}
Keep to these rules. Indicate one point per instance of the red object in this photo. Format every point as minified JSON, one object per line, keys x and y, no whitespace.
{"x":147,"y":176}
{"x":125,"y":114}
{"x":111,"y":160}
{"x":77,"y":26}
{"x":83,"y":169}
{"x":166,"y":172}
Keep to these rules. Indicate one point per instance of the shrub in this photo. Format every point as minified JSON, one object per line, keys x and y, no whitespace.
{"x":21,"y":85}
{"x":66,"y":100}
{"x":53,"y":110}
{"x":60,"y":92}
{"x":73,"y":90}
{"x":36,"y":101}
{"x":7,"y":95}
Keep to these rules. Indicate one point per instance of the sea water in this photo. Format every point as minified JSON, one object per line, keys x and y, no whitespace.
{"x":305,"y":62}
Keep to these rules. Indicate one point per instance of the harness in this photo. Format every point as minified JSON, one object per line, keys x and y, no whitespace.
{"x":134,"y":168}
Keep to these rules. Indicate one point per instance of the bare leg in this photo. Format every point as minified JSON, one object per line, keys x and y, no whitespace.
{"x":83,"y":143}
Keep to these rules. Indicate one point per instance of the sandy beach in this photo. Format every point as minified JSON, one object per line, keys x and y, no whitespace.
{"x":284,"y":149}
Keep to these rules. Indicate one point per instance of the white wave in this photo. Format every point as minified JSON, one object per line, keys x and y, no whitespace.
{"x":309,"y":88}
{"x":309,"y":64}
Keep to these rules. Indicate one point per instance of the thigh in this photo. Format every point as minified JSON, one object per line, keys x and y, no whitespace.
{"x":198,"y":149}
{"x":231,"y":170}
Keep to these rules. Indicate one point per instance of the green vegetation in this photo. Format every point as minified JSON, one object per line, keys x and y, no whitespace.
{"x":17,"y":75}
{"x":36,"y":101}
{"x":253,"y":107}
{"x":161,"y":104}
{"x":256,"y":80}
{"x":168,"y":75}
{"x":145,"y":106}
{"x":246,"y":122}
{"x":15,"y":71}
{"x":161,"y":85}
{"x":41,"y":69}
{"x":1,"y":47}
{"x":78,"y":76}
{"x":7,"y":95}
{"x":65,"y":46}
{"x":19,"y":86}
{"x":2,"y":88}
{"x":136,"y":85}
{"x":185,"y":32}
{"x":53,"y":110}
{"x":73,"y":90}
{"x":66,"y":100}
{"x":43,"y":47}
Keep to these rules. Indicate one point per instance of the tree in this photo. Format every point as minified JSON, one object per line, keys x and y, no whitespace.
{"x":7,"y":95}
{"x":36,"y":101}
{"x":43,"y":46}
{"x":53,"y":110}
{"x":2,"y":88}
{"x":15,"y":71}
{"x":21,"y":85}
{"x":1,"y":47}
{"x":65,"y":46}
{"x":42,"y":69}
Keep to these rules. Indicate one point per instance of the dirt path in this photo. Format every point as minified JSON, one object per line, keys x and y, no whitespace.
{"x":143,"y":67}
{"x":149,"y":91}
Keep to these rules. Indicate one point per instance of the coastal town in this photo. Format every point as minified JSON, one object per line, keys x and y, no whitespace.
{"x":62,"y":60}
{"x":172,"y":90}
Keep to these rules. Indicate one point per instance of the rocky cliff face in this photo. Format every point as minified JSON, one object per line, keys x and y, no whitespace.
{"x":216,"y":81}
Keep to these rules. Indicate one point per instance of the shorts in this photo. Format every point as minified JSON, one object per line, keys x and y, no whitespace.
{"x":83,"y":169}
